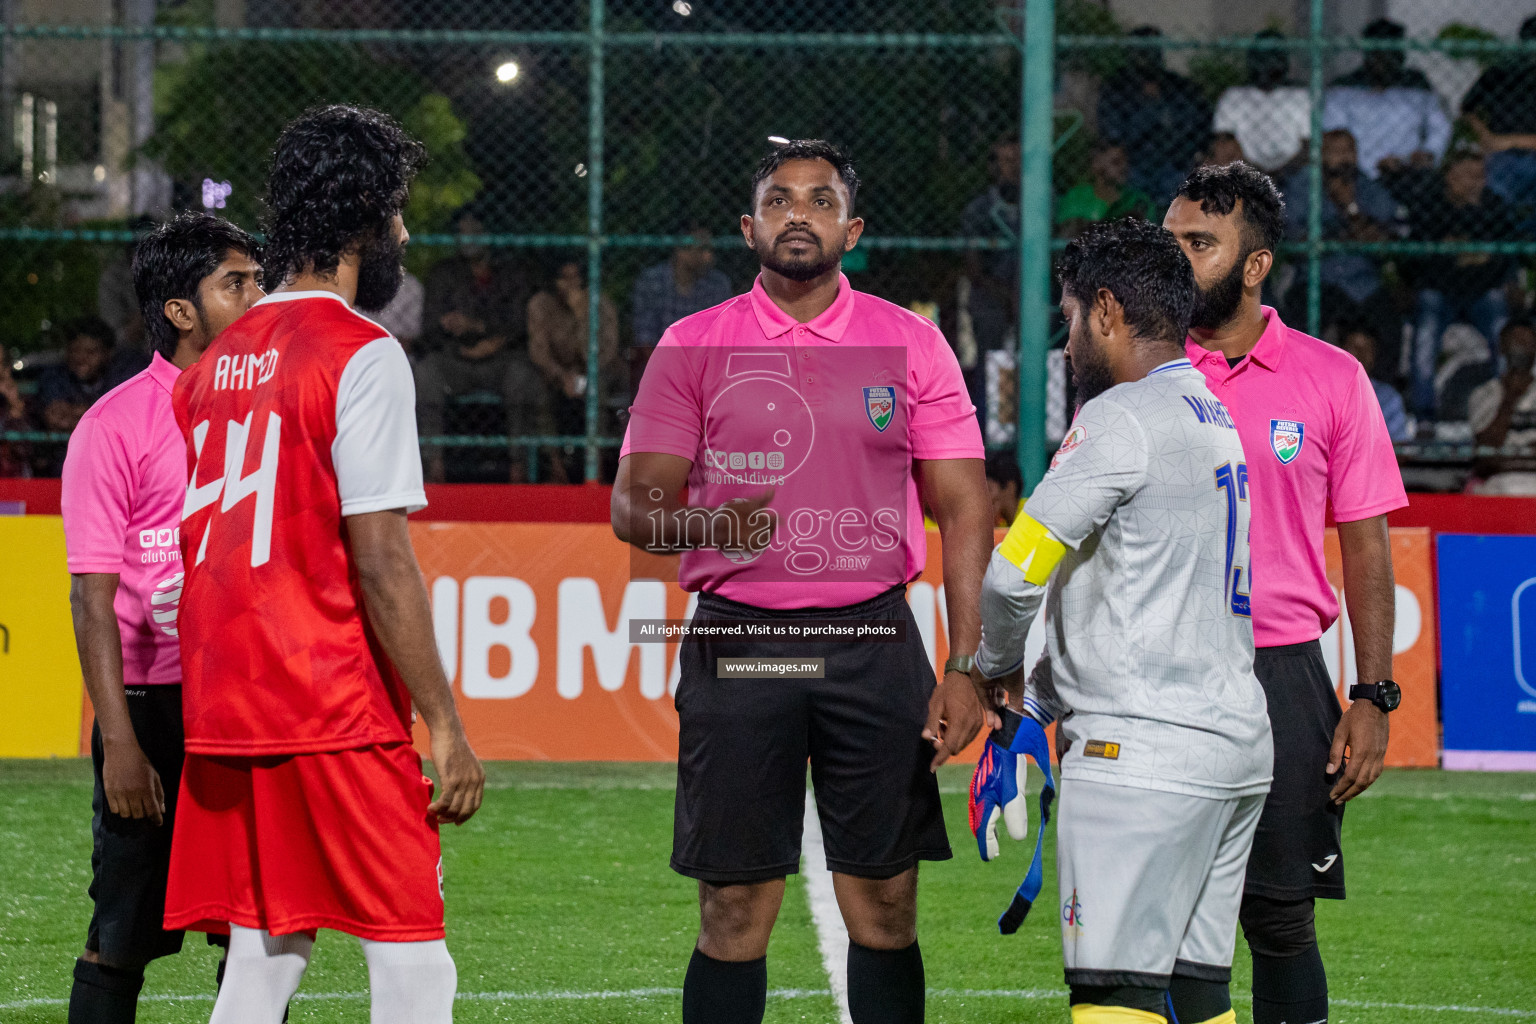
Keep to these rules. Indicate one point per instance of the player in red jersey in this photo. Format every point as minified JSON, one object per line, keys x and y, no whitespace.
{"x":305,"y":630}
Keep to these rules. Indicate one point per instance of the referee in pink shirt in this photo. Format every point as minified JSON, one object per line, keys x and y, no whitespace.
{"x":125,"y":480}
{"x":1315,"y":438}
{"x":809,"y":424}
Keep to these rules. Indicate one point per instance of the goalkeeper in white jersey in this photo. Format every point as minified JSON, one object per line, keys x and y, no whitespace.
{"x":1137,"y":541}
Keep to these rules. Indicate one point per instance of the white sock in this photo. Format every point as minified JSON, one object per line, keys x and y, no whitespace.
{"x":262,"y":975}
{"x":410,"y":982}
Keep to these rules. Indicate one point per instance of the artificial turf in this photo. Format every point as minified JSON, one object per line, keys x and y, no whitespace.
{"x":561,"y":908}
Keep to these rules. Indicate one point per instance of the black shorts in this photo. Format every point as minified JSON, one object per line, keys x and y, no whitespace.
{"x":1297,"y":852}
{"x":743,"y":746}
{"x":130,"y":857}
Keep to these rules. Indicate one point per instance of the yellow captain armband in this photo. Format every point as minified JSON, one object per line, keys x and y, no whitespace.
{"x":1030,"y":546}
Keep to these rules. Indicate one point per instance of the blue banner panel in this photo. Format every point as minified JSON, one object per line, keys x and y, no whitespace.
{"x":1488,"y":651}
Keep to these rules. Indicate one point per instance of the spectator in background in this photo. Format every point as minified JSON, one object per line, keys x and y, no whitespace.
{"x":1390,"y":109}
{"x":684,"y":284}
{"x":1360,"y":340}
{"x":1355,"y":208}
{"x":1270,"y":118}
{"x":1501,"y":108}
{"x":992,"y":275}
{"x":1503,"y":412}
{"x":1161,"y":118}
{"x":1005,"y":486}
{"x":986,"y":297}
{"x":474,"y":363}
{"x":14,"y":455}
{"x":558,"y":319}
{"x":1105,"y":195}
{"x":402,"y":317}
{"x":1221,"y":149}
{"x":65,"y":391}
{"x":1469,"y":286}
{"x":117,"y":304}
{"x":471,"y":296}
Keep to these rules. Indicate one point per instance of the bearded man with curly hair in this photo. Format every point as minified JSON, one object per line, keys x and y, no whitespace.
{"x":305,"y":629}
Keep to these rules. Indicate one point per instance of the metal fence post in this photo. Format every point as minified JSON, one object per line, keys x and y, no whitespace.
{"x":1037,"y":83}
{"x":1315,"y":173}
{"x":594,"y":230}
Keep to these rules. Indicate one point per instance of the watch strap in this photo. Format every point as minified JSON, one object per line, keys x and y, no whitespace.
{"x":961,"y":664}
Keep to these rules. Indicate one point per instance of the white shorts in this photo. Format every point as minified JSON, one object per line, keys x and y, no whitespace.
{"x":1150,"y":883}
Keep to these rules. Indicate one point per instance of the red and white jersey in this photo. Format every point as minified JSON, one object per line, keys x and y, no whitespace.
{"x":301,"y":413}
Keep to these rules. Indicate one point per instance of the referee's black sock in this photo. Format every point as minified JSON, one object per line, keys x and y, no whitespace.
{"x":1290,"y":990}
{"x":724,"y":991}
{"x":104,"y":995}
{"x":885,"y":986}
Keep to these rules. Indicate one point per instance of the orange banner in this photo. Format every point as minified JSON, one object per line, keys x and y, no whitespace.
{"x":1415,"y":741}
{"x":531,"y":624}
{"x":532,"y":627}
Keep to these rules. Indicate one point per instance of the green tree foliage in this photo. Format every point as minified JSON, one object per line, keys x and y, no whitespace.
{"x":222,"y":109}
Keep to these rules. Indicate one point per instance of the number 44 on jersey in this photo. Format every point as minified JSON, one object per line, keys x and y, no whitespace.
{"x":234,"y":485}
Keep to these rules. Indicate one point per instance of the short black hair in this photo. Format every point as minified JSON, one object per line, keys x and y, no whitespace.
{"x":1142,"y":266}
{"x":339,"y":176}
{"x":171,"y":262}
{"x":88,"y":327}
{"x":1003,"y":468}
{"x":808,"y":149}
{"x":1218,"y":189}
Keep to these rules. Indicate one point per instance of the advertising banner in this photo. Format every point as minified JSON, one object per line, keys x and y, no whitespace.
{"x":40,"y":684}
{"x":1415,"y":736}
{"x":1488,"y":663}
{"x":533,"y":624}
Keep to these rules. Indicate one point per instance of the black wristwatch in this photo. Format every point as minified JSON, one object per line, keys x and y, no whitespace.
{"x":1385,"y":694}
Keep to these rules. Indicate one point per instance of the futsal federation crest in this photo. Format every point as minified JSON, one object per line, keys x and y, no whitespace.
{"x":880,"y":406}
{"x":1286,"y":437}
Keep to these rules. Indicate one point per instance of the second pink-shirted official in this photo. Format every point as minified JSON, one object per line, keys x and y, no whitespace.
{"x":1315,"y":441}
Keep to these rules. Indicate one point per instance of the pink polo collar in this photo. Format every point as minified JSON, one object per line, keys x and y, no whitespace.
{"x":830,"y":325}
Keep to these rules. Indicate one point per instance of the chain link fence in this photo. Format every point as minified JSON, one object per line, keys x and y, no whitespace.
{"x":1403,"y":136}
{"x":588,"y":157}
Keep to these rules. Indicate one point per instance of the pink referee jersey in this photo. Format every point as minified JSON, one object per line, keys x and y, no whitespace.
{"x":125,"y":478}
{"x":1313,"y":435}
{"x":831,"y":413}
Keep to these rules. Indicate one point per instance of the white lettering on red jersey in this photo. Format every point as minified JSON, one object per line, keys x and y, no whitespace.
{"x":302,"y":413}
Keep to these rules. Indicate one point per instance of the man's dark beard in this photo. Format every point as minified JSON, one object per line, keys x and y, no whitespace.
{"x":379,"y":270}
{"x":1091,"y":375}
{"x":1216,"y":306}
{"x":804,"y":268}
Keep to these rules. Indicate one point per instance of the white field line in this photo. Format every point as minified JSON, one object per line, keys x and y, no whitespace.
{"x":831,"y":933}
{"x":564,"y":995}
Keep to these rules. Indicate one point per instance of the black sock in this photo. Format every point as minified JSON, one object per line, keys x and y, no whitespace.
{"x":724,"y":991}
{"x":1194,"y":1001}
{"x":1290,"y":990}
{"x":885,"y":986}
{"x":104,"y":995}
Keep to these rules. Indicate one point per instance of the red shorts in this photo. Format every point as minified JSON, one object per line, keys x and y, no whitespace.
{"x":293,"y":843}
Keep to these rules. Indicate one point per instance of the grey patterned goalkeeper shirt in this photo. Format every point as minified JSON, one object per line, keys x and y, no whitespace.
{"x":1149,"y":646}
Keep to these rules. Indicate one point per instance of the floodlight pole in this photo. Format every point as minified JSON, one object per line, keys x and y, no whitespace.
{"x":1036,"y":138}
{"x":594,"y":230}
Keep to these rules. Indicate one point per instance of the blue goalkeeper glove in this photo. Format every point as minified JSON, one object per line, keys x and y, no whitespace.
{"x":996,"y":792}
